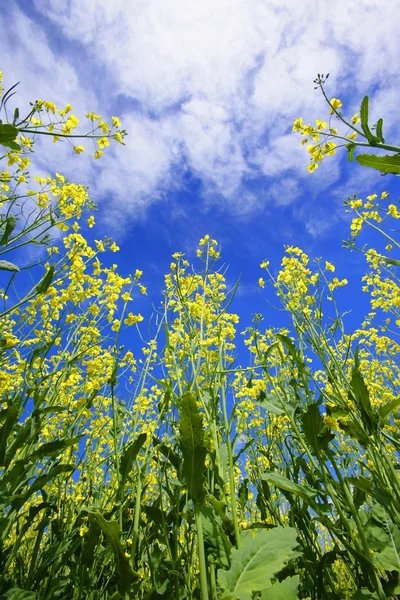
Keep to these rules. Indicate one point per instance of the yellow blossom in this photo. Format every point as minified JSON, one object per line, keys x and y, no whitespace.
{"x":335,"y":104}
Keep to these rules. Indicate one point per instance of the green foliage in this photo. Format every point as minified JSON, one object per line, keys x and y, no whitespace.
{"x":385,"y":164}
{"x":257,"y":563}
{"x":192,"y":445}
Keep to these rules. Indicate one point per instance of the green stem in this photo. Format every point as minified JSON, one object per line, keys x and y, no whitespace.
{"x":202,"y":556}
{"x":230,"y":457}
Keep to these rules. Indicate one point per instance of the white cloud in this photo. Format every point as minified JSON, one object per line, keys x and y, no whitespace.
{"x":218,"y":84}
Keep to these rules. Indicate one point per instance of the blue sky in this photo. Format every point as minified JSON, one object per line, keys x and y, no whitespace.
{"x":208,"y":93}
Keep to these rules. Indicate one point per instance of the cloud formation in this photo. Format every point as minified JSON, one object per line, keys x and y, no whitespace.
{"x":209,"y":87}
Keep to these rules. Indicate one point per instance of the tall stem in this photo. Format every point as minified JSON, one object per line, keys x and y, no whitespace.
{"x":202,"y":556}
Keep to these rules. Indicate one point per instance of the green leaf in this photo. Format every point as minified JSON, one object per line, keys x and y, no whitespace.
{"x":129,"y":456}
{"x":360,"y":394}
{"x":316,"y":433}
{"x":373,"y":140}
{"x":389,"y":407}
{"x":257,"y":562}
{"x":192,"y":445}
{"x":350,"y":151}
{"x":379,"y":131}
{"x":39,"y":483}
{"x":53,"y":448}
{"x":6,"y":430}
{"x":216,"y":541}
{"x":386,"y":164}
{"x":270,"y":402}
{"x":8,"y":133}
{"x":291,"y":348}
{"x":44,"y":285}
{"x":9,"y":223}
{"x":283,"y":483}
{"x":113,"y":535}
{"x":383,"y":537}
{"x":361,"y":483}
{"x":17,"y":593}
{"x":284,"y":590}
{"x":5,"y":265}
{"x":364,"y":594}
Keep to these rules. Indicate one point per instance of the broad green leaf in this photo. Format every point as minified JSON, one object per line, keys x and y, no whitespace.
{"x":44,"y":285}
{"x":361,"y":483}
{"x":5,"y":265}
{"x":9,"y":223}
{"x":386,"y":164}
{"x":8,"y":132}
{"x":283,"y":483}
{"x":383,"y":537}
{"x":284,"y":590}
{"x":216,"y":541}
{"x":316,"y":433}
{"x":113,"y":535}
{"x":389,"y":407}
{"x":270,"y":402}
{"x":129,"y":456}
{"x":257,"y":562}
{"x":192,"y":445}
{"x":372,"y":139}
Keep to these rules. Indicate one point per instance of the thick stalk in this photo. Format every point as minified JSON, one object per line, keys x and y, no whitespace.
{"x":202,"y":555}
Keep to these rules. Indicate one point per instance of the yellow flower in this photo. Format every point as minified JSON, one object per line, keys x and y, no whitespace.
{"x":103,"y":142}
{"x":114,"y":247}
{"x":79,"y":149}
{"x":92,"y":116}
{"x":49,"y":106}
{"x":352,"y":136}
{"x":116,"y":122}
{"x":98,"y":154}
{"x":311,"y":167}
{"x":329,"y":267}
{"x":133,"y":319}
{"x":335,"y":104}
{"x":355,"y":119}
{"x":91,"y":221}
{"x":393,"y":211}
{"x":103,"y":126}
{"x":261,"y":282}
{"x":356,"y":203}
{"x":384,"y":195}
{"x":204,"y":240}
{"x":297,"y":125}
{"x":138,"y":274}
{"x":116,"y":325}
{"x":321,"y":124}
